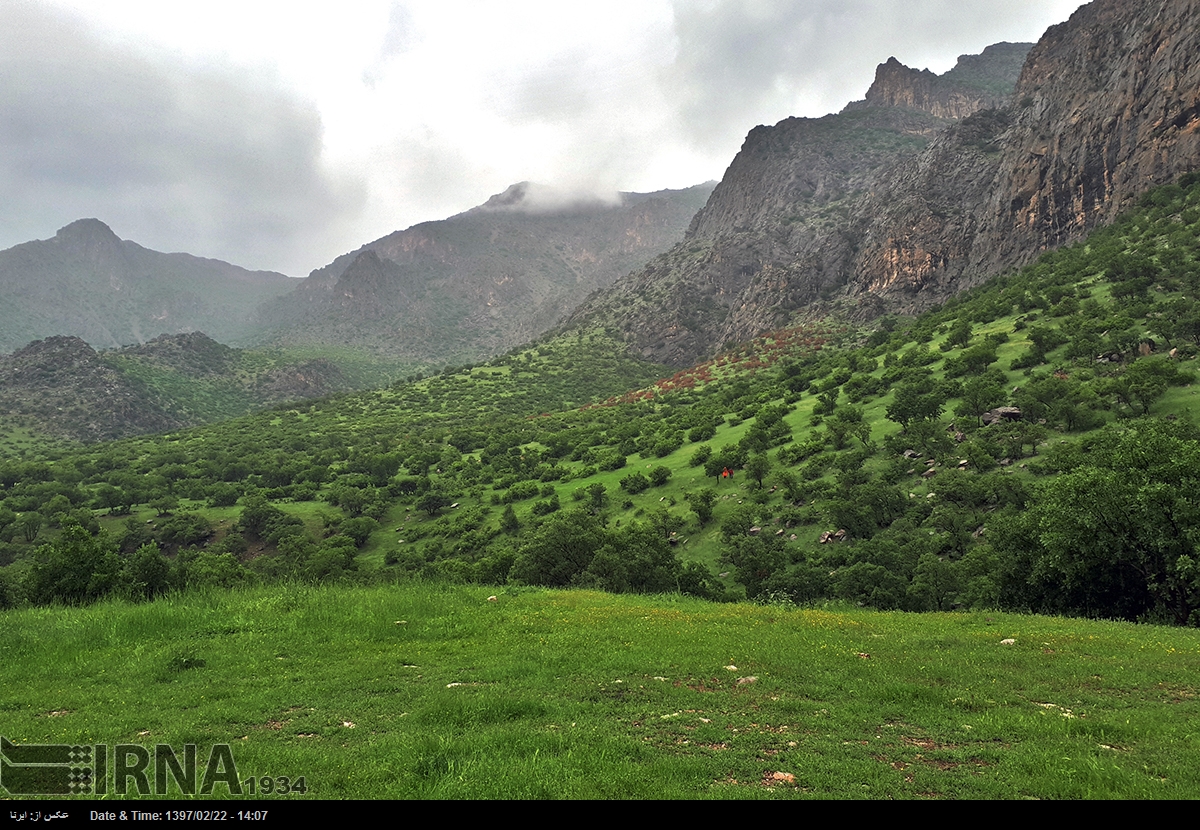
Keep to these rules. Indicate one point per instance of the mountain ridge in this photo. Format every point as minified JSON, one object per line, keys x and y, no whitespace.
{"x":480,"y":282}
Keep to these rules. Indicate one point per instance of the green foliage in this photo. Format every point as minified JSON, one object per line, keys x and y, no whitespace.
{"x":702,"y":502}
{"x":557,"y":553}
{"x":1117,"y":535}
{"x":635,"y":483}
{"x":433,"y":503}
{"x":508,"y":432}
{"x":755,"y":558}
{"x":919,"y":399}
{"x":74,"y":569}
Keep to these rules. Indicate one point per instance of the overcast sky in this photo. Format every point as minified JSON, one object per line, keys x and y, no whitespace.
{"x":278,"y":135}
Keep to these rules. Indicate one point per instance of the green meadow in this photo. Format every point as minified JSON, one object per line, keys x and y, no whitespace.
{"x":421,"y":690}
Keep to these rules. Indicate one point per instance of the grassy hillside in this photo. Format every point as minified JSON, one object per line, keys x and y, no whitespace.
{"x":433,"y":691}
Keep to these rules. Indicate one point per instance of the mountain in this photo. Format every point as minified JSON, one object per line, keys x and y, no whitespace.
{"x":481,"y":282}
{"x":930,"y":185}
{"x":89,"y":283}
{"x":1106,"y":107}
{"x":62,"y":387}
{"x":781,"y":221}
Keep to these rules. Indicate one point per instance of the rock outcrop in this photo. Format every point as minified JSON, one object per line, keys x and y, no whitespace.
{"x":977,"y":82}
{"x":62,"y":387}
{"x":1106,"y":107}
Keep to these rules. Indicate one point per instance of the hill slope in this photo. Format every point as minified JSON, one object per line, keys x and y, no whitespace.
{"x":61,"y":387}
{"x":420,"y":691}
{"x":818,"y":462}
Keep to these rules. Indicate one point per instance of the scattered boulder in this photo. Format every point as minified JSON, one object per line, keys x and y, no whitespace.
{"x":1000,"y":413}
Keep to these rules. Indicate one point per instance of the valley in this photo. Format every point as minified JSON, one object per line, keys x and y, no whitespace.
{"x":872,"y":471}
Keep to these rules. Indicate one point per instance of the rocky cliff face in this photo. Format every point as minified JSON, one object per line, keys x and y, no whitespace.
{"x":783,"y":227}
{"x":977,"y":82}
{"x":1107,"y":106}
{"x":930,"y":185}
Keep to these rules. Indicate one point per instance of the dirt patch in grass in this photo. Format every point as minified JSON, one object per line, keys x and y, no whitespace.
{"x":927,"y":744}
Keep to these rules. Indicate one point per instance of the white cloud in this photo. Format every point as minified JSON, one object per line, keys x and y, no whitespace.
{"x":280,"y":134}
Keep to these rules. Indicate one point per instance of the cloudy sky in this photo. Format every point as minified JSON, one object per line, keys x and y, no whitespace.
{"x":278,"y":135}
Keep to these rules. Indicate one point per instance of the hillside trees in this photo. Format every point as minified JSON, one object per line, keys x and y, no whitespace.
{"x":74,"y":569}
{"x":1115,"y":536}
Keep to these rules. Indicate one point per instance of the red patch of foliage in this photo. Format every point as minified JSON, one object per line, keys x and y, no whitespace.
{"x":761,"y":353}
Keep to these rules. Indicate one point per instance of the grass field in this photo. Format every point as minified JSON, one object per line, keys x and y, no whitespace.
{"x":423,"y":690}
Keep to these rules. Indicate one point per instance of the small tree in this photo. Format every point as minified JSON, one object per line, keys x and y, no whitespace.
{"x":757,"y":468}
{"x":702,"y":502}
{"x":508,"y":520}
{"x":432,"y":503}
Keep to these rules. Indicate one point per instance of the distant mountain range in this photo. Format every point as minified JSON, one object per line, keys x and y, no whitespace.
{"x":929,"y":185}
{"x":88,"y":283}
{"x":119,"y":333}
{"x":457,"y":290}
{"x":479,"y":283}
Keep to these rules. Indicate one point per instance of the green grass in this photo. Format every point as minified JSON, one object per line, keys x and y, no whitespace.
{"x":423,"y":691}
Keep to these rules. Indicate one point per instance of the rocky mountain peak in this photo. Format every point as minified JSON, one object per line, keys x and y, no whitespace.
{"x":61,"y":350}
{"x":533,"y":197}
{"x":512,"y":196}
{"x":977,"y":82}
{"x":87,"y":233}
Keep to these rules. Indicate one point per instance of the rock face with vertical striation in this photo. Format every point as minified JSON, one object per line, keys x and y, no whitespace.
{"x":930,"y":185}
{"x":1106,"y":106}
